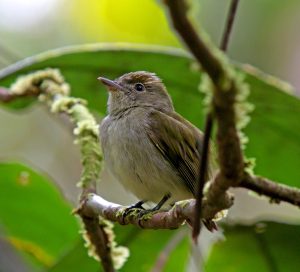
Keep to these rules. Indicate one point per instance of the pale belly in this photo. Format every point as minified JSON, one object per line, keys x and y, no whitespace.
{"x":137,"y":164}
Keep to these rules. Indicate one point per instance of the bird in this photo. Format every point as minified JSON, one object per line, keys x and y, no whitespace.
{"x":147,"y":146}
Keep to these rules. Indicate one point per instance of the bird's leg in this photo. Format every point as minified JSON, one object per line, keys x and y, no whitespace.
{"x":157,"y":207}
{"x":160,"y":203}
{"x":138,"y":205}
{"x":142,"y":212}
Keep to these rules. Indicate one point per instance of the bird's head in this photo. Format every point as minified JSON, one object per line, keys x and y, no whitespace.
{"x":136,"y":89}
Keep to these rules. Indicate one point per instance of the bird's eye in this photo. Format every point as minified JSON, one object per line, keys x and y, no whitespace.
{"x":139,"y":87}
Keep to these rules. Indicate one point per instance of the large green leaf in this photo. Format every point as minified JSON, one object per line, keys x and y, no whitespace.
{"x":274,"y":131}
{"x":266,"y":247}
{"x":34,"y":215}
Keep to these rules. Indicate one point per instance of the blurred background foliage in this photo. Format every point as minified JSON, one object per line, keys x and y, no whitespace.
{"x":34,"y":236}
{"x":33,"y":26}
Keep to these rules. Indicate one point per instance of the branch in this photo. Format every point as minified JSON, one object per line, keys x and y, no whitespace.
{"x":225,"y":88}
{"x":6,"y":96}
{"x":49,"y":86}
{"x":99,"y":238}
{"x":277,"y":192}
{"x":190,"y":37}
{"x":182,"y":211}
{"x":208,"y":128}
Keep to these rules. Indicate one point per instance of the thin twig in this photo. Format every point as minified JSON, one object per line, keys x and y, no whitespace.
{"x":202,"y":176}
{"x":228,"y":25}
{"x":6,"y":96}
{"x":208,"y":128}
{"x":277,"y":192}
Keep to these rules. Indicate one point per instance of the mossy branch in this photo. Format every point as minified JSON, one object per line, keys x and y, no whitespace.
{"x":181,"y":212}
{"x":228,"y":93}
{"x":50,"y":88}
{"x":87,"y":137}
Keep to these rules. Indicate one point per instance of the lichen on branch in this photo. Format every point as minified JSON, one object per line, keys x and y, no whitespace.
{"x":181,"y":212}
{"x":50,"y":88}
{"x":86,"y":132}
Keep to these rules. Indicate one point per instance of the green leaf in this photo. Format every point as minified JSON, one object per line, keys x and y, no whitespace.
{"x":146,"y":246}
{"x":34,"y":215}
{"x":274,"y":131}
{"x":76,"y":259}
{"x":82,"y":65}
{"x":179,"y":257}
{"x":266,"y":247}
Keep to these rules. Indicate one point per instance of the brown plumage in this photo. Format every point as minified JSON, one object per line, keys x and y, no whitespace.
{"x":178,"y":142}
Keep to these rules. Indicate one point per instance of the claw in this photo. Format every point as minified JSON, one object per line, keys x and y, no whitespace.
{"x":134,"y":207}
{"x":145,"y":214}
{"x":141,"y":212}
{"x":210,"y":225}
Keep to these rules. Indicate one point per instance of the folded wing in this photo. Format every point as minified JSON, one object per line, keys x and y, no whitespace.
{"x":179,"y":142}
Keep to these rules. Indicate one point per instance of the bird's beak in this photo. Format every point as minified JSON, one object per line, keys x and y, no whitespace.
{"x":110,"y":84}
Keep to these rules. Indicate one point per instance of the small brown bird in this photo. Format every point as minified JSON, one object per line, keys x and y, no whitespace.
{"x":147,"y":146}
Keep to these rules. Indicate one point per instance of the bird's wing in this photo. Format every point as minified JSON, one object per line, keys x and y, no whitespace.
{"x":179,"y":142}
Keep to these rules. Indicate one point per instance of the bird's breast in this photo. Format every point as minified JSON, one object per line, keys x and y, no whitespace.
{"x":133,"y":159}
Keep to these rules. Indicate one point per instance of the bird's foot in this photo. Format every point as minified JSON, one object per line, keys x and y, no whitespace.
{"x":210,"y":225}
{"x":137,"y":207}
{"x":146,"y":214}
{"x":141,"y":213}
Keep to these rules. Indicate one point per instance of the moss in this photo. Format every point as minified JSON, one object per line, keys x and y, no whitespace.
{"x":120,"y":212}
{"x":91,"y":249}
{"x":241,"y":106}
{"x":64,"y":103}
{"x":49,"y":84}
{"x":91,"y":160}
{"x":206,"y":86}
{"x":183,"y":203}
{"x":31,"y":82}
{"x":249,"y":165}
{"x":119,"y":254}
